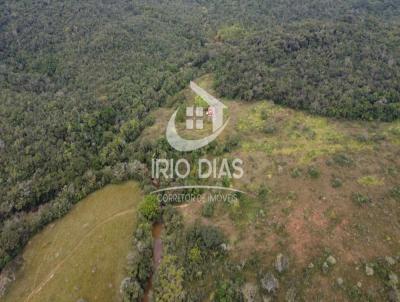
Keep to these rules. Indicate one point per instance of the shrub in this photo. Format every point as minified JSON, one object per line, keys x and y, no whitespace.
{"x":230,"y":33}
{"x":207,"y":238}
{"x":208,"y":209}
{"x":228,"y":291}
{"x":264,"y":114}
{"x":232,"y":143}
{"x":343,"y":160}
{"x":336,"y":182}
{"x":360,"y":199}
{"x":140,"y":264}
{"x":313,"y":172}
{"x":195,"y":254}
{"x":296,"y":172}
{"x":362,"y":138}
{"x":395,"y":193}
{"x":169,"y":281}
{"x":181,"y":115}
{"x":226,"y":182}
{"x":200,"y":102}
{"x":370,"y":180}
{"x":131,"y":290}
{"x":172,"y":219}
{"x":270,"y":129}
{"x":149,"y":208}
{"x":378,"y":137}
{"x":263,"y":193}
{"x":309,"y":133}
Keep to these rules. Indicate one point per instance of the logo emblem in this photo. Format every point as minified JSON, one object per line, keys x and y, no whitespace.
{"x":194,"y":120}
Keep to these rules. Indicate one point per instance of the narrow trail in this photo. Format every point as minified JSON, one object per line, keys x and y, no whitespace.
{"x":38,"y":269}
{"x":80,"y":242}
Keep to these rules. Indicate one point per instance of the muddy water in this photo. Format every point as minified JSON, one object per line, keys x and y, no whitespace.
{"x":157,"y":255}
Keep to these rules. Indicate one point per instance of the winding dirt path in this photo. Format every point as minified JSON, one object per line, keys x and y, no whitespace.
{"x":80,"y":242}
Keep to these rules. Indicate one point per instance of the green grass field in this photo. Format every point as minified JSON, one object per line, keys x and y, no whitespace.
{"x":83,"y":254}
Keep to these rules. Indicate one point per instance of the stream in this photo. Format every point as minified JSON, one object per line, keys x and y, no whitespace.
{"x":157,"y":255}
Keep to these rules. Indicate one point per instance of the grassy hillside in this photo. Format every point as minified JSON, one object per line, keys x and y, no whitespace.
{"x":317,"y":187}
{"x":83,"y":255}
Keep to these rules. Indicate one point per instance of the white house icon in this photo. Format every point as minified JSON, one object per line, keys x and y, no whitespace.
{"x":181,"y":144}
{"x":218,"y":116}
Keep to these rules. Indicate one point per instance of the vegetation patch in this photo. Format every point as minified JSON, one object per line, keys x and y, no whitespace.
{"x":395,"y":193}
{"x":343,"y":160}
{"x":313,"y":172}
{"x":370,"y":180}
{"x":230,"y":33}
{"x":336,"y":182}
{"x":361,"y":199}
{"x":294,"y":134}
{"x":208,"y":209}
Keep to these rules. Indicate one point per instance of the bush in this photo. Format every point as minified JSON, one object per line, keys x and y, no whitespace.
{"x":150,"y":208}
{"x":228,"y":291}
{"x":264,"y":114}
{"x":140,"y":264}
{"x":195,"y":254}
{"x":200,"y":102}
{"x":296,"y":172}
{"x":207,"y":238}
{"x":343,"y":160}
{"x":226,"y":181}
{"x":181,"y":115}
{"x":232,"y":143}
{"x":270,"y":129}
{"x":172,"y":219}
{"x":208,"y":209}
{"x":263,"y":193}
{"x":131,"y":290}
{"x":336,"y":182}
{"x":395,"y":193}
{"x":168,"y":285}
{"x":360,"y":199}
{"x":313,"y":172}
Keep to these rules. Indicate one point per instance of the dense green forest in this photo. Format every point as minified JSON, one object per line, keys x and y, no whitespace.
{"x":77,"y":82}
{"x":78,"y":79}
{"x":348,"y":68}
